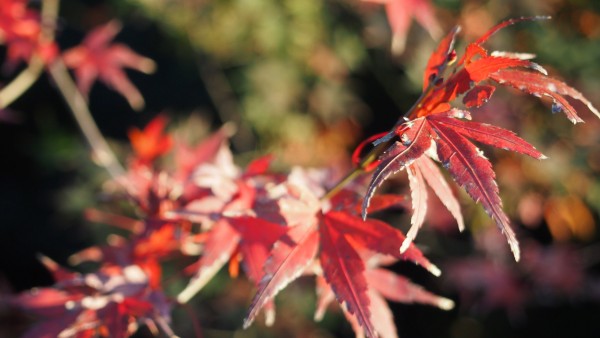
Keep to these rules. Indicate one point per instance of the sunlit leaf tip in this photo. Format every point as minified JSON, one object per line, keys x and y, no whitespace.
{"x":434,"y":270}
{"x":446,"y":304}
{"x":506,"y":23}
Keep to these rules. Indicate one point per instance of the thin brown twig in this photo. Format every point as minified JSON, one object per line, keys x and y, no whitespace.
{"x":68,"y":89}
{"x":22,"y":82}
{"x":78,"y":105}
{"x":374,"y":153}
{"x":101,"y":152}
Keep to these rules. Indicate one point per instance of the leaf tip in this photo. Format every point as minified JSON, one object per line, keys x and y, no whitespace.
{"x":405,"y":244}
{"x":319,"y":314}
{"x":434,"y":270}
{"x":269,"y":317}
{"x":147,"y":66}
{"x":517,"y":255}
{"x":514,"y":247}
{"x":461,"y":225}
{"x":247,"y":323}
{"x":445,"y":304}
{"x":48,"y":262}
{"x":364,"y":212}
{"x":229,"y":129}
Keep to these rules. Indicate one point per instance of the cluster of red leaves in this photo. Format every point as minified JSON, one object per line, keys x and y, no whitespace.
{"x":20,"y":30}
{"x":280,"y":227}
{"x":109,"y":303}
{"x":276,"y":227}
{"x":126,"y":291}
{"x":96,"y":58}
{"x":435,"y":130}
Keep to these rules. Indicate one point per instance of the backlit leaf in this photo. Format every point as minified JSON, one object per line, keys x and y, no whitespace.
{"x":415,"y":140}
{"x":540,"y":85}
{"x":344,"y":271}
{"x":96,"y":58}
{"x":471,"y":170}
{"x":288,"y":259}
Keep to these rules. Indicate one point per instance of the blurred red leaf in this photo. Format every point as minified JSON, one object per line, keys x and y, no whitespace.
{"x":20,"y":31}
{"x":151,"y":143}
{"x":98,"y":58}
{"x":400,"y":13}
{"x":111,"y":302}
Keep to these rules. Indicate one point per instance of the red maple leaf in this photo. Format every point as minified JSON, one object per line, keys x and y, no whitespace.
{"x":234,"y":234}
{"x":160,"y":195}
{"x":330,"y":242}
{"x":205,"y":170}
{"x":423,"y":172}
{"x":98,"y":58}
{"x":205,"y":185}
{"x":437,"y":131}
{"x":383,"y":284}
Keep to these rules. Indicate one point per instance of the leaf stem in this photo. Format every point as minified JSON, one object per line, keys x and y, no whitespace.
{"x":77,"y":103}
{"x":66,"y":86}
{"x":49,"y":17}
{"x":374,"y":153}
{"x":22,"y":82}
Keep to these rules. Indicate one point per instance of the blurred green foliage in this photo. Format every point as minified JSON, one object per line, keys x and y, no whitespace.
{"x":280,"y":68}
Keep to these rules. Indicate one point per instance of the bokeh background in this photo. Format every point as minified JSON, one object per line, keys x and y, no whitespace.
{"x":307,"y":81}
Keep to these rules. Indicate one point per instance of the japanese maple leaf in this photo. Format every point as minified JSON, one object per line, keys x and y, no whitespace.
{"x":400,"y":13}
{"x":383,"y":284}
{"x":218,"y":175}
{"x":437,"y":131}
{"x":445,"y":137}
{"x":202,"y":171}
{"x":422,"y":172}
{"x":334,"y":239}
{"x":206,"y":188}
{"x":162,"y":196}
{"x":235,"y":234}
{"x":98,"y":58}
{"x":251,"y":237}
